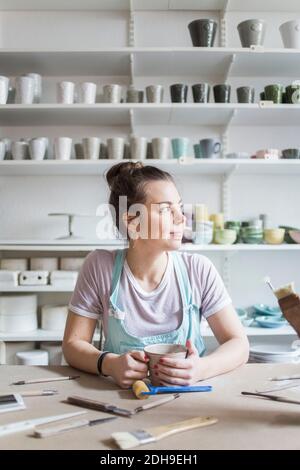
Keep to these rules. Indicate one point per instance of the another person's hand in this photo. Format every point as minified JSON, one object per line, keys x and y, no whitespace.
{"x":290,"y":307}
{"x":180,"y":371}
{"x":126,"y":368}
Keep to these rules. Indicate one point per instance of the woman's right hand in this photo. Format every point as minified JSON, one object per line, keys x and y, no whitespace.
{"x":126,"y":368}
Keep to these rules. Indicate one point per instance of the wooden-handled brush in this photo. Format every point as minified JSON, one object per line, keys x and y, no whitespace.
{"x":127,"y":440}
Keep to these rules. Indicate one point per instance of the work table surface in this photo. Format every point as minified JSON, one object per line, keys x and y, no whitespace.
{"x":244,"y":422}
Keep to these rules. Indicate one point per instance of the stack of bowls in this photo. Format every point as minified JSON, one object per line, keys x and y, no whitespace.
{"x":252,"y":232}
{"x":234,"y":225}
{"x":225,"y":236}
{"x":204,"y":232}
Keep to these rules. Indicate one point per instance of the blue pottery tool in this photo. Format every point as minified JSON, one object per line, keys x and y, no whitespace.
{"x":180,"y":389}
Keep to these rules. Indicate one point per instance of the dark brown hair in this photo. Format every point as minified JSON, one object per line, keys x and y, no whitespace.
{"x":129,"y":179}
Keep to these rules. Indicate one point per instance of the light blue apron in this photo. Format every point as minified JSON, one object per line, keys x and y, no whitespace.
{"x":119,"y":340}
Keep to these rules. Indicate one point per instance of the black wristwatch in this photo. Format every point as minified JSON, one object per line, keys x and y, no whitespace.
{"x":99,"y":363}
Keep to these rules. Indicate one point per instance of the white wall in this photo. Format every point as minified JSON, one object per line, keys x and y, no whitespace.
{"x":26,"y":201}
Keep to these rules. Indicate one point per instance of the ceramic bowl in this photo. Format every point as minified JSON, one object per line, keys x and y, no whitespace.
{"x":295,"y":235}
{"x":266,"y":310}
{"x":204,"y":232}
{"x":242,"y":313}
{"x":225,"y":237}
{"x":287,"y":237}
{"x":251,"y":235}
{"x":270,"y":322}
{"x":274,"y":236}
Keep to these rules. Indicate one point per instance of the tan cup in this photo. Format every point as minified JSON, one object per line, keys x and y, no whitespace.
{"x":156,"y":351}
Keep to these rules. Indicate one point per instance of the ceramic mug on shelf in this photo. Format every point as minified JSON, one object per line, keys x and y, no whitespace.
{"x":4,"y":89}
{"x":290,"y":34}
{"x":20,"y":149}
{"x":203,"y":32}
{"x":245,"y":94}
{"x":87,"y":92}
{"x":222,"y":93}
{"x":138,"y":148}
{"x":38,"y":148}
{"x":209,"y":148}
{"x":252,"y":32}
{"x":134,"y":95}
{"x":180,"y":147}
{"x":66,"y":92}
{"x":178,"y":93}
{"x":91,"y":148}
{"x":25,"y":89}
{"x":62,"y":148}
{"x":115,"y":148}
{"x":161,"y":147}
{"x":112,"y":93}
{"x":201,"y":92}
{"x":37,"y":92}
{"x":155,"y":93}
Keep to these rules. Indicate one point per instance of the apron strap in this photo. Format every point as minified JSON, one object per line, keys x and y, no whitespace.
{"x":183,"y":279}
{"x":116,"y":274}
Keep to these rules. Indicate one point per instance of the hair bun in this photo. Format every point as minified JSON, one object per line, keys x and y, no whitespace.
{"x":124,"y":169}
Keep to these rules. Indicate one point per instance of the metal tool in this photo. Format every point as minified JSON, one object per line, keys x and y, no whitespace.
{"x":61,"y":428}
{"x":285,"y":377}
{"x":19,"y":426}
{"x":273,"y":397}
{"x":49,"y":379}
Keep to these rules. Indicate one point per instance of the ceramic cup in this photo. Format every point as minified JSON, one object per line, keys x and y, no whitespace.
{"x":252,"y":32}
{"x":87,"y":92}
{"x":37,"y":78}
{"x":38,"y":148}
{"x":4,"y":87}
{"x":25,"y":88}
{"x":291,"y":153}
{"x":290,"y":34}
{"x":222,"y":93}
{"x":245,"y":94}
{"x":209,"y":148}
{"x":203,"y":32}
{"x":161,"y":147}
{"x":274,"y":93}
{"x":197,"y":151}
{"x":7,"y":144}
{"x":138,"y":148}
{"x":268,"y":154}
{"x":155,"y":93}
{"x":78,"y":150}
{"x":62,"y":148}
{"x":112,"y":93}
{"x":134,"y":96}
{"x":91,"y":148}
{"x":234,"y":225}
{"x":180,"y":147}
{"x":201,"y":92}
{"x":2,"y":150}
{"x":157,"y":351}
{"x":178,"y":93}
{"x":292,"y":94}
{"x":66,"y":92}
{"x":115,"y":148}
{"x":200,"y":213}
{"x":20,"y":150}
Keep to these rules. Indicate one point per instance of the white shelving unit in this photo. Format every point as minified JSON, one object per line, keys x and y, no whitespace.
{"x":133,"y":64}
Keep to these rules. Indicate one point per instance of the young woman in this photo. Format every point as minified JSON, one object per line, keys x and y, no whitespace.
{"x":150,"y":292}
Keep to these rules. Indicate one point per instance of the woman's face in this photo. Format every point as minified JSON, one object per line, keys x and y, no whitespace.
{"x":161,"y":220}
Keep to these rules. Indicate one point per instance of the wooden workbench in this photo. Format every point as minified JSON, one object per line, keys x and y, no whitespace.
{"x":244,"y":422}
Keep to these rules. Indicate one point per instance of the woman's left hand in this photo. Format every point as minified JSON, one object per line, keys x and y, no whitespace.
{"x":180,"y":371}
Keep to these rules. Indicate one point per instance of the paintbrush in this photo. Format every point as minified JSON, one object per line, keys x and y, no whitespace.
{"x":273,"y":397}
{"x":267,"y":280}
{"x":127,"y":440}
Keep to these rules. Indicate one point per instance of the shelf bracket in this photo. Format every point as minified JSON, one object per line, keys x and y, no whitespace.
{"x":229,"y":67}
{"x":224,"y":135}
{"x":131,"y":26}
{"x":131,"y":120}
{"x":225,"y":191}
{"x":131,"y":64}
{"x":226,"y":269}
{"x":223,"y":25}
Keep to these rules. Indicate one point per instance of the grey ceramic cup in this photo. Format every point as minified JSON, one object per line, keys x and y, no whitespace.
{"x":138,"y":148}
{"x":291,"y":153}
{"x":78,"y":150}
{"x":91,"y":147}
{"x":20,"y":150}
{"x":156,"y":351}
{"x":252,"y":32}
{"x":209,"y":148}
{"x":201,"y":92}
{"x":112,"y":93}
{"x":178,"y":93}
{"x":222,"y":93}
{"x":2,"y":150}
{"x":203,"y":32}
{"x":274,"y":93}
{"x":292,"y":93}
{"x":161,"y":147}
{"x":4,"y":89}
{"x":134,"y":96}
{"x":115,"y":148}
{"x":37,"y":86}
{"x":155,"y":93}
{"x":25,"y":88}
{"x":66,"y":92}
{"x":245,"y":94}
